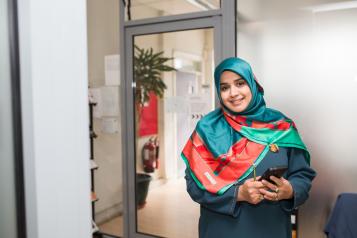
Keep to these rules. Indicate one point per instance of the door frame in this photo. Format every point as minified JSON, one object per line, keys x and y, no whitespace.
{"x":14,"y":57}
{"x":223,"y":22}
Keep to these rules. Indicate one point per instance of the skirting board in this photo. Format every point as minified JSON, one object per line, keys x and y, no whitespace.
{"x":109,"y":213}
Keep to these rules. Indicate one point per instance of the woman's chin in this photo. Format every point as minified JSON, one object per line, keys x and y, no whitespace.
{"x":237,"y":109}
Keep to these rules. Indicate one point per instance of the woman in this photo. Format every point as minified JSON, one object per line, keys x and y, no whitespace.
{"x":234,"y":143}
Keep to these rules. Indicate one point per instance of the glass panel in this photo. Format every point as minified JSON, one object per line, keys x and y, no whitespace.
{"x":140,"y":9}
{"x":304,"y":54}
{"x":103,"y":79}
{"x":8,"y":224}
{"x":163,"y":126}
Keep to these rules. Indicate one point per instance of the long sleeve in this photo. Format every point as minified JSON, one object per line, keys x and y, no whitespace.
{"x":224,"y":204}
{"x":300,"y":176}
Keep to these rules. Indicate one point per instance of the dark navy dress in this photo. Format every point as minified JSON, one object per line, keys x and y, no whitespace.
{"x":223,"y":217}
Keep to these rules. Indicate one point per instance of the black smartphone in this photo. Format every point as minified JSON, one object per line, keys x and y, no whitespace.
{"x":273,"y":171}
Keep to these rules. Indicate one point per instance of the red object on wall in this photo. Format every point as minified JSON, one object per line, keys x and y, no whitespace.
{"x":148,"y":121}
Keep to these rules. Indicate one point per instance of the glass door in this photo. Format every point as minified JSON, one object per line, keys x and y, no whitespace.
{"x":167,"y":87}
{"x":163,"y":125}
{"x":169,"y":68}
{"x":163,"y":121}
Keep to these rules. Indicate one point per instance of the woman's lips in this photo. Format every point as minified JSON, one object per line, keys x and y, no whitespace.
{"x":236,"y":101}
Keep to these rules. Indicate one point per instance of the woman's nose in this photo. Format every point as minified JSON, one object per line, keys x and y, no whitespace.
{"x":234,"y":91}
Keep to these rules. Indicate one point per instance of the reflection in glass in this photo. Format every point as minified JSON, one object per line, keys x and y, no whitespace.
{"x":163,"y":126}
{"x":8,"y":222}
{"x":141,"y":9}
{"x":304,"y":53}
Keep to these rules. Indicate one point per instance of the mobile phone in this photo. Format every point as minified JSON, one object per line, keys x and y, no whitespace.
{"x":273,"y":171}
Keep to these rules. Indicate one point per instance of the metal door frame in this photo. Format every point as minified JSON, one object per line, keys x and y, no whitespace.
{"x":15,"y":100}
{"x":223,"y":22}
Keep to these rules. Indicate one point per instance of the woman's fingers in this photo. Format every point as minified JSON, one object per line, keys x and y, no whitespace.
{"x":256,"y":197}
{"x":277,"y":181}
{"x":258,"y":185}
{"x":282,"y":189}
{"x":251,"y":183}
{"x":269,"y":195}
{"x":255,"y":191}
{"x":271,"y":186}
{"x":251,"y":190}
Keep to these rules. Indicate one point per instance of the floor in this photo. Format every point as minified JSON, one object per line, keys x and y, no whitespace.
{"x":169,"y":212}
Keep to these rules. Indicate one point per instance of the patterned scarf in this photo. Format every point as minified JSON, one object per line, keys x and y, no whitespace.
{"x":226,"y":146}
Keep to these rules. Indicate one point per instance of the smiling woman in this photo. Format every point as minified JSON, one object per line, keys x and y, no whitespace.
{"x":235,"y":92}
{"x":233,"y":144}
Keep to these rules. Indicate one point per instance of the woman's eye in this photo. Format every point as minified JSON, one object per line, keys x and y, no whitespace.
{"x":224,"y":88}
{"x":241,"y":83}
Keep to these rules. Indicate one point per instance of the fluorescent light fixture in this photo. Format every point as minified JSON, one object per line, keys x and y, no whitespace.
{"x":328,"y":7}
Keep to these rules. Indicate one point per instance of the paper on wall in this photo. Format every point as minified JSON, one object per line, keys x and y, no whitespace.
{"x":109,"y":125}
{"x":198,"y":107}
{"x":112,"y":70}
{"x":109,"y":101}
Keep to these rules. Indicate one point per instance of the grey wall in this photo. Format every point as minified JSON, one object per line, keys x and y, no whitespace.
{"x":305,"y":60}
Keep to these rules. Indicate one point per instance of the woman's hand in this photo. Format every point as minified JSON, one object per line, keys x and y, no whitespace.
{"x":282,"y":189}
{"x":249,"y":191}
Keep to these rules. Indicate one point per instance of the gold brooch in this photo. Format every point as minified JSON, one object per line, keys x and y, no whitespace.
{"x":274,"y":148}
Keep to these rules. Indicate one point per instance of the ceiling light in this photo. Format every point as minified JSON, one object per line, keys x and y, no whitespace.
{"x":328,"y":7}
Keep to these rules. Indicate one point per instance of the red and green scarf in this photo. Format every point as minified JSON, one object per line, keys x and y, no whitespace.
{"x":226,"y":146}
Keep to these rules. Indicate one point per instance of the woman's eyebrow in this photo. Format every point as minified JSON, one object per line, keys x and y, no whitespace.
{"x":233,"y":80}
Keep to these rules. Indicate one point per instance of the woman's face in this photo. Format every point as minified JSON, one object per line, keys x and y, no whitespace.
{"x":235,"y":92}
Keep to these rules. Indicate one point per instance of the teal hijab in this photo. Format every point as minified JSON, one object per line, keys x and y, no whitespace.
{"x":256,"y":109}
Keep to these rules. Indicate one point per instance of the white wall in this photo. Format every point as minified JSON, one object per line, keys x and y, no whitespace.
{"x":53,"y":52}
{"x":307,"y":64}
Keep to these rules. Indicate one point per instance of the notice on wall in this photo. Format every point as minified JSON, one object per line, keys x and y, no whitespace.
{"x":199,"y":106}
{"x":109,"y":101}
{"x":112,"y":70}
{"x":109,"y":125}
